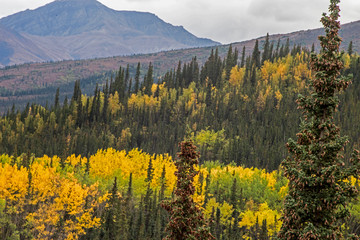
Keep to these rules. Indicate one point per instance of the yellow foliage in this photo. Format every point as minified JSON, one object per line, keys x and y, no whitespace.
{"x":270,"y":178}
{"x":346,"y":59}
{"x":114,"y":103}
{"x":139,"y":101}
{"x":283,"y":191}
{"x":13,"y":182}
{"x":106,"y":163}
{"x":278,"y":97}
{"x":226,"y":210}
{"x":261,"y":213}
{"x":52,"y":197}
{"x":237,"y":76}
{"x":210,"y":205}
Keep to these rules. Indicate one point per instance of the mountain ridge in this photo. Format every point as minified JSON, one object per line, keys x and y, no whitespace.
{"x":82,"y":29}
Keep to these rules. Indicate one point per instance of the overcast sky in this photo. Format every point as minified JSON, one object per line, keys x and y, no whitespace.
{"x":225,"y":21}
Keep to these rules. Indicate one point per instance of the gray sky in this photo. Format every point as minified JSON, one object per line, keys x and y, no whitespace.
{"x":225,"y":21}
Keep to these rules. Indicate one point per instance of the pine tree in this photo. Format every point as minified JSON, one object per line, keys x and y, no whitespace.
{"x":148,"y":210}
{"x":186,"y":219}
{"x":137,"y":78}
{"x":106,"y":103}
{"x":56,"y":103}
{"x":77,"y":91}
{"x":149,"y":80}
{"x":319,"y":186}
{"x":266,"y":53}
{"x":350,"y":48}
{"x":255,"y":61}
{"x":286,"y":48}
{"x":313,"y":48}
{"x":242,"y":63}
{"x":218,"y":230}
{"x":127,"y":78}
{"x":230,"y":62}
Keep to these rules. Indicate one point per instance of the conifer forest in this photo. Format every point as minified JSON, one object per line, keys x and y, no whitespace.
{"x":122,"y":162}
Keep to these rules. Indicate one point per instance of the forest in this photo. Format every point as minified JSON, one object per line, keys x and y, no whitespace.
{"x":97,"y":167}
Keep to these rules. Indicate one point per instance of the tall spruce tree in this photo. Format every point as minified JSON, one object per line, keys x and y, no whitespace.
{"x":186,"y":219}
{"x":137,"y":78}
{"x":319,"y":186}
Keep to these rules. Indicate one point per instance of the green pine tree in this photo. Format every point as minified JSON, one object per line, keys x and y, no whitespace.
{"x":186,"y":219}
{"x":350,"y":48}
{"x":319,"y":190}
{"x":137,"y":78}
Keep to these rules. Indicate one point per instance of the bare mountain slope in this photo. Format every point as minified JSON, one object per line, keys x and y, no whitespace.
{"x":17,"y":48}
{"x":80,"y":29}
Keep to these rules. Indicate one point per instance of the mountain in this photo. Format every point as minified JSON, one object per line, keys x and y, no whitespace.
{"x":305,"y":38}
{"x":38,"y":81}
{"x":15,"y":47}
{"x":82,"y":29}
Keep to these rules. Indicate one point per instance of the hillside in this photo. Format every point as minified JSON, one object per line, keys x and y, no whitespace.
{"x":17,"y":48}
{"x":38,"y":81}
{"x":97,"y":160}
{"x":83,"y":29}
{"x":237,"y":114}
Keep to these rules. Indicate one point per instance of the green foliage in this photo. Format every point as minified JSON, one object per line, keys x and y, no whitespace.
{"x":319,"y":180}
{"x":252,"y":108}
{"x":239,"y":114}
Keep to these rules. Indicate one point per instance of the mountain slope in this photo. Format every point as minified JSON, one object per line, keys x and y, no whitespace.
{"x":79,"y":29}
{"x":17,"y":48}
{"x":29,"y":81}
{"x":305,"y":38}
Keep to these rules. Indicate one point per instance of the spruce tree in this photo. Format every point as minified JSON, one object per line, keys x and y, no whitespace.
{"x":137,"y":79}
{"x":319,"y":186}
{"x":266,"y":53}
{"x":242,"y":63}
{"x":186,"y":219}
{"x":350,"y":48}
{"x":56,"y":103}
{"x":149,"y":80}
{"x":255,"y":61}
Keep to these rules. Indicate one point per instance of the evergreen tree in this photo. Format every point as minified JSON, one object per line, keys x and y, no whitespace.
{"x":313,"y":48}
{"x":186,"y":219}
{"x":77,"y":91}
{"x":286,"y":48}
{"x":127,"y":78}
{"x":277,"y":50}
{"x":148,"y":209}
{"x":149,"y":80}
{"x":137,"y":78}
{"x":255,"y":61}
{"x":242,"y":63}
{"x":115,"y":221}
{"x":319,"y":190}
{"x":106,"y":103}
{"x":80,"y":114}
{"x":350,"y":48}
{"x":178,"y":77}
{"x":218,"y":230}
{"x":92,"y":116}
{"x":230,"y":62}
{"x":56,"y":103}
{"x":207,"y":189}
{"x":266,"y":53}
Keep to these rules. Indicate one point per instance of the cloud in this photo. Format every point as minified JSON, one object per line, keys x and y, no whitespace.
{"x":350,"y":11}
{"x":288,"y":10}
{"x":14,"y":6}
